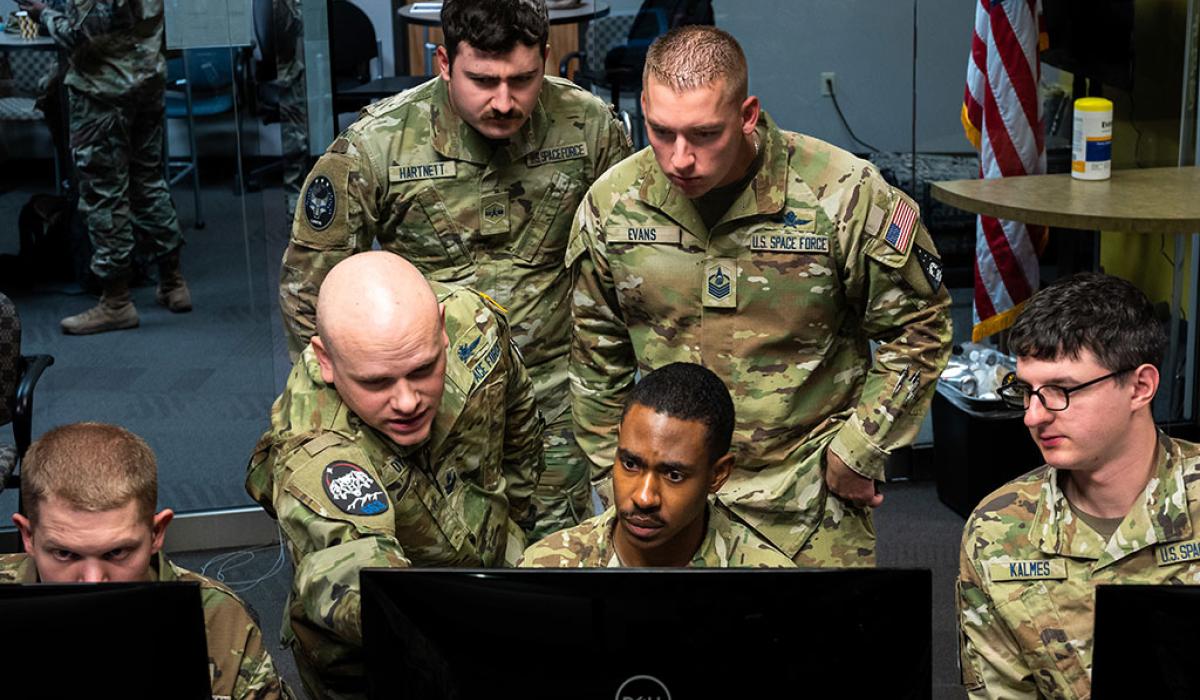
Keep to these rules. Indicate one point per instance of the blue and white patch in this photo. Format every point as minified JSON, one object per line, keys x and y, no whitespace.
{"x":320,"y":203}
{"x":790,"y":220}
{"x":931,"y":266}
{"x":353,"y":490}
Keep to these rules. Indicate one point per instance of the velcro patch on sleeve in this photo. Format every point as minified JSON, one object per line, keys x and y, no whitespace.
{"x":898,"y":232}
{"x":1027,"y":570}
{"x":353,"y":490}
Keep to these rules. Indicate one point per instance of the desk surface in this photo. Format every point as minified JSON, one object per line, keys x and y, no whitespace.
{"x":1145,"y":200}
{"x":14,"y":41}
{"x":587,"y":11}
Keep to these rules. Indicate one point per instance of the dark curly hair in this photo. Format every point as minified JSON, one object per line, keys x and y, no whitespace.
{"x":495,"y":26}
{"x":1106,"y":315}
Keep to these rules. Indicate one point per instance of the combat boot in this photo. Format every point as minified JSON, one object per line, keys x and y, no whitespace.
{"x":114,"y":312}
{"x":172,"y":289}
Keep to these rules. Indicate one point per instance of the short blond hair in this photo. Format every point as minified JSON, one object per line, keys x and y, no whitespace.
{"x":93,"y":467}
{"x":695,"y":56}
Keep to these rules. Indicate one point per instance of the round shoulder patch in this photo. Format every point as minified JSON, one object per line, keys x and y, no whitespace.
{"x":320,"y":203}
{"x":353,"y":490}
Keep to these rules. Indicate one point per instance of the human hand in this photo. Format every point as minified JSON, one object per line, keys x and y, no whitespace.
{"x":849,"y":485}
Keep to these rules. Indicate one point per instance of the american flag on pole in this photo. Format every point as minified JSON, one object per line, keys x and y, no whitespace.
{"x":1002,"y":117}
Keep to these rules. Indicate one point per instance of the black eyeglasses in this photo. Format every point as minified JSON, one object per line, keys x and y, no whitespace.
{"x":1054,"y":398}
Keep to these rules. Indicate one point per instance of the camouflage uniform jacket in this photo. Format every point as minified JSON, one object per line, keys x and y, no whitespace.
{"x":1029,"y":570}
{"x":417,"y":178}
{"x":346,"y":497}
{"x":114,"y":46}
{"x":238,"y":663}
{"x":726,"y":544}
{"x":817,"y":256}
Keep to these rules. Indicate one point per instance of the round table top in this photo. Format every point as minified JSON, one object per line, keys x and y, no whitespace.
{"x":586,"y":11}
{"x":15,"y":41}
{"x":1141,"y":200}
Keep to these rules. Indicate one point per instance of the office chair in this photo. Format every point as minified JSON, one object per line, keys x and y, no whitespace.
{"x":19,"y":376}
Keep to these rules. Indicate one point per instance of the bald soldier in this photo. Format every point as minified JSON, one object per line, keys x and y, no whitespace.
{"x":672,"y":454}
{"x":773,"y":259}
{"x":473,"y":177}
{"x":89,"y":492}
{"x":408,"y":434}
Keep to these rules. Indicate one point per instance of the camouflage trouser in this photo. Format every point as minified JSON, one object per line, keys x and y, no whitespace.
{"x":118,"y":153}
{"x":845,"y":538}
{"x":564,"y":495}
{"x":293,"y":104}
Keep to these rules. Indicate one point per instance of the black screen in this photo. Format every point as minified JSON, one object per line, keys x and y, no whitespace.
{"x":107,"y":640}
{"x":1147,"y":642}
{"x":692,"y":633}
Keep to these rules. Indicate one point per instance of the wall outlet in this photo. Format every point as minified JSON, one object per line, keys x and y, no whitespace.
{"x":827,"y":84}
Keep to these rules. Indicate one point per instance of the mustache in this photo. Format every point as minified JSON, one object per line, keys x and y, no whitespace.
{"x":641,"y":518}
{"x":510,"y":114}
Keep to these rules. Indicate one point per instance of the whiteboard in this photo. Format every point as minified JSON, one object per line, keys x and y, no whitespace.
{"x":192,"y":24}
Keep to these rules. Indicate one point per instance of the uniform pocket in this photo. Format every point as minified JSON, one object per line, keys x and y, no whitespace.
{"x":544,"y":238}
{"x":1050,"y":620}
{"x":429,"y":238}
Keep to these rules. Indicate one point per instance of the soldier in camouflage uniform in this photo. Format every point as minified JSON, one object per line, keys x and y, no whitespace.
{"x":90,"y":487}
{"x":293,"y":100}
{"x":772,"y":258}
{"x":472,"y":177}
{"x":1117,"y":502}
{"x":673,"y":454}
{"x":115,"y":79}
{"x":404,"y":437}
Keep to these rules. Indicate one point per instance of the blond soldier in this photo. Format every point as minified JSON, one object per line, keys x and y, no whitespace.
{"x":771,"y":258}
{"x":408,"y":433}
{"x":1117,"y":501}
{"x":472,"y":177}
{"x":672,"y":454}
{"x":89,"y":492}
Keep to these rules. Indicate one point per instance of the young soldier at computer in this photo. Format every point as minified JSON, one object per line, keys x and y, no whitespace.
{"x":89,"y":492}
{"x":1116,"y":502}
{"x":672,"y":454}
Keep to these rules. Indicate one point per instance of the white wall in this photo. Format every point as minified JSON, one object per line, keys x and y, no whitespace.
{"x":868,"y":45}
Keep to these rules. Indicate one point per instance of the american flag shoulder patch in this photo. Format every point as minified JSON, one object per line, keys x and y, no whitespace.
{"x":899,"y":230}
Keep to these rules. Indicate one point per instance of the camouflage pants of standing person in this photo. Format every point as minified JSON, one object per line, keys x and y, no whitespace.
{"x":118,"y":152}
{"x":293,"y":102}
{"x":563,"y":497}
{"x":844,"y":539}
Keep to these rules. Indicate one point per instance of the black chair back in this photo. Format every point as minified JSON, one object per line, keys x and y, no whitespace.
{"x":351,"y":44}
{"x":11,"y":365}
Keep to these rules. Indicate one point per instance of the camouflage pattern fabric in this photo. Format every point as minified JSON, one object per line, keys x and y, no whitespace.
{"x":726,"y":544}
{"x":411,"y":175}
{"x":817,"y":256}
{"x":1029,"y":569}
{"x":293,"y":100}
{"x":118,"y":152}
{"x":116,"y":72}
{"x":346,"y":497}
{"x":238,"y":663}
{"x":112,"y":46}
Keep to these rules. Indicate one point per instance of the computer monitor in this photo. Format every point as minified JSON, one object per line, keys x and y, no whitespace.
{"x":646,"y":633}
{"x":104,"y":640}
{"x":1147,"y":641}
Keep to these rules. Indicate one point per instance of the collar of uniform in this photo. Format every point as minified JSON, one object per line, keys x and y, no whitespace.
{"x":769,"y":185}
{"x":454,"y":138}
{"x":713,"y":551}
{"x":606,"y":551}
{"x":17,"y":568}
{"x":1161,"y":514}
{"x":161,"y":568}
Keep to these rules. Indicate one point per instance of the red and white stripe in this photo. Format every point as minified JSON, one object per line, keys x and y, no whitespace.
{"x":1002,"y":117}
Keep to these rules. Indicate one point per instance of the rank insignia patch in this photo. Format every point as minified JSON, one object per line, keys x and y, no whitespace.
{"x":353,"y":490}
{"x":720,"y":284}
{"x":320,"y":203}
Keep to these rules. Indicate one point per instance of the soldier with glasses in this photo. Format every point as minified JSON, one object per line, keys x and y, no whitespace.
{"x":1116,"y":502}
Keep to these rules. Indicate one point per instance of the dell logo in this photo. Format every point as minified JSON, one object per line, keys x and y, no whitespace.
{"x":643,"y":688}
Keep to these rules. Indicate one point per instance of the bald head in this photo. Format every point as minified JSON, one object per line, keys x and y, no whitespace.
{"x":381,"y":344}
{"x":375,"y":297}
